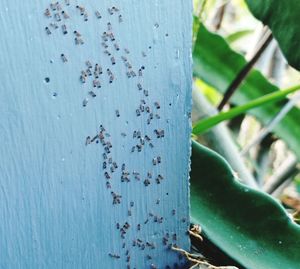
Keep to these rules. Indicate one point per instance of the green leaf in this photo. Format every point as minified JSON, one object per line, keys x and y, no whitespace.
{"x":205,"y":124}
{"x":238,"y":35}
{"x":217,"y":65}
{"x":248,"y":225}
{"x":283,"y":19}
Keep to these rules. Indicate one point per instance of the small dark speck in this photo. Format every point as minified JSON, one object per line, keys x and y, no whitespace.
{"x":47,"y":80}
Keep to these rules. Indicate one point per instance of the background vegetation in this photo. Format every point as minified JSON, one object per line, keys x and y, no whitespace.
{"x":245,"y":70}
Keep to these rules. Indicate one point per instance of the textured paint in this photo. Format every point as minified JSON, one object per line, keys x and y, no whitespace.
{"x":60,"y":205}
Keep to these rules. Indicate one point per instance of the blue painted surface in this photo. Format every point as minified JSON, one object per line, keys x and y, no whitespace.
{"x":55,"y":208}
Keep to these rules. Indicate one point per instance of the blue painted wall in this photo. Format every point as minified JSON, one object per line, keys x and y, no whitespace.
{"x":61,"y":206}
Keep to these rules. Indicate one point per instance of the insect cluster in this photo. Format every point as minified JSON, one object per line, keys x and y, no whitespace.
{"x":94,"y":74}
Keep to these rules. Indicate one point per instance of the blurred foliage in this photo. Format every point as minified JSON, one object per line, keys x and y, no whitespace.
{"x":283,"y":19}
{"x":249,"y":226}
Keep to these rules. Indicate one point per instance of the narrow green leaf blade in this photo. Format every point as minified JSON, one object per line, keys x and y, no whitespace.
{"x":248,"y":225}
{"x":283,"y":19}
{"x":238,"y":35}
{"x":206,"y":124}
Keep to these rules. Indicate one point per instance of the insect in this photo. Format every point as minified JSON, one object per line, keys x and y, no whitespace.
{"x":96,"y":83}
{"x":124,"y":59}
{"x":115,"y":9}
{"x":104,"y":45}
{"x":104,"y":165}
{"x":53,"y":6}
{"x":120,"y":18}
{"x":109,"y":72}
{"x":47,"y":13}
{"x":107,"y":176}
{"x":104,"y":37}
{"x":57,"y":17}
{"x":54,"y":25}
{"x":63,"y":58}
{"x":116,"y":46}
{"x":78,"y":41}
{"x":147,"y":182}
{"x":132,"y":73}
{"x":77,"y":33}
{"x":88,"y":140}
{"x":110,"y":11}
{"x":91,"y":93}
{"x":48,"y":32}
{"x":98,"y":15}
{"x":81,"y":9}
{"x":174,"y":237}
{"x":88,"y":64}
{"x":98,"y":68}
{"x":64,"y":29}
{"x":86,"y":16}
{"x":112,"y":37}
{"x":65,"y":15}
{"x":82,"y":78}
{"x":111,"y":78}
{"x":114,"y":256}
{"x":113,"y":60}
{"x":85,"y":102}
{"x":117,"y":113}
{"x":116,"y":198}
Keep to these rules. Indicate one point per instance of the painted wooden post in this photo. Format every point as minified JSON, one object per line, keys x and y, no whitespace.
{"x":95,"y":126}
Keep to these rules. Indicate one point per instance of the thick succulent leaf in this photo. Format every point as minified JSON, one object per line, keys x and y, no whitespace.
{"x":217,"y":64}
{"x":283,"y":19}
{"x":248,"y":225}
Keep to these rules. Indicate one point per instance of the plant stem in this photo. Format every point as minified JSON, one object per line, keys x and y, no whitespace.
{"x":245,"y":71}
{"x":220,"y":140}
{"x":272,"y":124}
{"x":284,"y":172}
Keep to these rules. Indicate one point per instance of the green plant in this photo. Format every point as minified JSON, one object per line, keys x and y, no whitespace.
{"x":248,"y":225}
